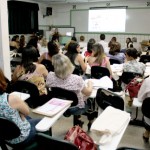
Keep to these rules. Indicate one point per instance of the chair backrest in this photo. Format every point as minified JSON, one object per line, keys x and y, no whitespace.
{"x":8,"y":129}
{"x":47,"y":142}
{"x":48,"y":65}
{"x":145,"y":107}
{"x":27,"y":87}
{"x":114,"y":61}
{"x":65,"y":94}
{"x":98,"y":72}
{"x":144,"y":58}
{"x":105,"y":98}
{"x":128,"y":76}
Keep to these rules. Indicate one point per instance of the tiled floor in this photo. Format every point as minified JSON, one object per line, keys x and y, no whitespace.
{"x":131,"y":138}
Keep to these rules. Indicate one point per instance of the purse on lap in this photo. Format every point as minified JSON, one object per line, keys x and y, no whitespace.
{"x":134,"y":86}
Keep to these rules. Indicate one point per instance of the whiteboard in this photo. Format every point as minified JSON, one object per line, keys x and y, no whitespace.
{"x":137,"y":20}
{"x":65,"y":30}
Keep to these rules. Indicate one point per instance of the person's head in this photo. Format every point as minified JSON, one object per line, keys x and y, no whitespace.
{"x":73,"y":47}
{"x":128,"y":40}
{"x":131,"y":53}
{"x":52,"y":48}
{"x":90,"y":45}
{"x":33,"y":41}
{"x":17,"y":38}
{"x":3,"y":83}
{"x":134,"y":39}
{"x":29,"y":55}
{"x":62,"y":66}
{"x":82,"y":38}
{"x":98,"y":52}
{"x":114,"y":39}
{"x":114,"y":48}
{"x":102,"y":37}
{"x":74,"y":38}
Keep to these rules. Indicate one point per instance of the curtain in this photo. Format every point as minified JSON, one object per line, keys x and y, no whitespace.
{"x":22,"y":17}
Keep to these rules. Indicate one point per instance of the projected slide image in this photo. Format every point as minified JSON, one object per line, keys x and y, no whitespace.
{"x":107,"y":20}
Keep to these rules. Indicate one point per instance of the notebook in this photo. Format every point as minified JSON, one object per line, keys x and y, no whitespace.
{"x":52,"y":107}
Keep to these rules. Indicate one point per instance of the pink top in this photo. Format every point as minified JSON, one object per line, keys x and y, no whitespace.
{"x":72,"y":82}
{"x":104,"y":63}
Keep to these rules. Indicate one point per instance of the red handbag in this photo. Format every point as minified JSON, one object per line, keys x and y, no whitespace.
{"x":134,"y":86}
{"x":80,"y":138}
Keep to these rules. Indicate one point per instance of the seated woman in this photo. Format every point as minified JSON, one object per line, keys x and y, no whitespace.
{"x":132,"y":65}
{"x":76,"y":58}
{"x":30,"y":70}
{"x":89,"y":47}
{"x":14,"y":109}
{"x":52,"y":50}
{"x":62,"y":77}
{"x":143,"y":93}
{"x":99,"y":58}
{"x":114,"y":52}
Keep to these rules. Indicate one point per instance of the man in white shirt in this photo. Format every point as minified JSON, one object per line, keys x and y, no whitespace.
{"x":104,"y":43}
{"x":137,"y":45}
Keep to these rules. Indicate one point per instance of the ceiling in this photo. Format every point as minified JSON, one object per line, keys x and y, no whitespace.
{"x":75,"y":1}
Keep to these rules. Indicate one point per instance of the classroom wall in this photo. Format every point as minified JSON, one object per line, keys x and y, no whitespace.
{"x":61,"y":17}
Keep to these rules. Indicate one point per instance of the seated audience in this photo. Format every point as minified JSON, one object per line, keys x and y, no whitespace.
{"x":34,"y":42}
{"x":75,"y":57}
{"x":14,"y":44}
{"x":137,"y":45}
{"x":132,"y":65}
{"x":89,"y":47}
{"x":62,"y":77}
{"x":73,"y":40}
{"x":99,"y":58}
{"x":22,"y":44}
{"x":52,"y":50}
{"x":114,"y":52}
{"x":113,"y":40}
{"x":16,"y":110}
{"x":143,"y":93}
{"x":30,"y":70}
{"x":82,"y":42}
{"x":104,"y":43}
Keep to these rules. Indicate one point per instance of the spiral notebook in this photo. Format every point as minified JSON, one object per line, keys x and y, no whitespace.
{"x":52,"y":107}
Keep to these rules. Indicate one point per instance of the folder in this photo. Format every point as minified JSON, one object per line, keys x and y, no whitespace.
{"x":52,"y":107}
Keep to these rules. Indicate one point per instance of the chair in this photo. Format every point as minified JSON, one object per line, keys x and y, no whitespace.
{"x":97,"y":72}
{"x":146,"y":111}
{"x":69,"y":95}
{"x":9,"y":130}
{"x":30,"y":88}
{"x":47,"y":142}
{"x":48,"y":65}
{"x":114,"y":61}
{"x":128,"y":76}
{"x":105,"y":98}
{"x":144,"y":58}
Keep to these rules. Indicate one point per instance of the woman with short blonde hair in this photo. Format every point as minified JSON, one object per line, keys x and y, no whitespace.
{"x":62,"y":77}
{"x":61,"y":63}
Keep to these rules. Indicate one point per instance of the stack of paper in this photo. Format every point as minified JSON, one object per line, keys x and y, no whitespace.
{"x":111,"y":122}
{"x":104,"y":82}
{"x":52,"y":107}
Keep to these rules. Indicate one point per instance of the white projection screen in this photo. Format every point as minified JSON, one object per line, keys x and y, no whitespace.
{"x":107,"y":20}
